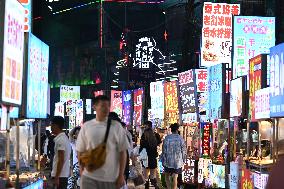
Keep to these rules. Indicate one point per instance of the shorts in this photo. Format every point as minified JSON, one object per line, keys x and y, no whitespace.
{"x":173,"y":171}
{"x":152,"y":163}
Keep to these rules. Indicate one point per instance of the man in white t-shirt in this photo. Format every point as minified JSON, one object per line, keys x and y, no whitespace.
{"x":111,"y":174}
{"x":62,"y":151}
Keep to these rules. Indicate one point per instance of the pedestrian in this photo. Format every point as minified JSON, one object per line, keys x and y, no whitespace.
{"x":173,"y":156}
{"x":150,"y":142}
{"x":62,"y":151}
{"x":108,"y":172}
{"x":72,"y":181}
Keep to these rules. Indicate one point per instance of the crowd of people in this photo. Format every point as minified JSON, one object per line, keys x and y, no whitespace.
{"x":104,"y":154}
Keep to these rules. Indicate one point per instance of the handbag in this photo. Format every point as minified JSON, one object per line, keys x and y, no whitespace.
{"x":95,"y":158}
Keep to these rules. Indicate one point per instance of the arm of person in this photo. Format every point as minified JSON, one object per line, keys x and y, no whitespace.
{"x":80,"y":148}
{"x":59,"y":166}
{"x":122,"y":164}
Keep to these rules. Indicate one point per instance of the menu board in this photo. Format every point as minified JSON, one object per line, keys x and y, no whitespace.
{"x":69,"y":93}
{"x":116,"y":102}
{"x":186,"y":91}
{"x":236,"y":97}
{"x":157,"y":99}
{"x":217,"y":33}
{"x":37,"y":78}
{"x":138,"y":106}
{"x":127,"y":104}
{"x":171,"y":99}
{"x":13,"y":52}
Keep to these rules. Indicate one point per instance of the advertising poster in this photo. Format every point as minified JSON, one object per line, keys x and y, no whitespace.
{"x":171,"y":99}
{"x":246,"y":179}
{"x":217,"y":33}
{"x":13,"y":53}
{"x":186,"y":92}
{"x":127,"y":103}
{"x":116,"y":102}
{"x":202,"y":88}
{"x":188,"y":171}
{"x":138,"y":106}
{"x":157,"y":99}
{"x":206,"y":135}
{"x":37,"y":78}
{"x":215,"y":91}
{"x":69,"y":93}
{"x":262,"y":103}
{"x":71,"y":107}
{"x":253,"y":35}
{"x":236,"y":97}
{"x":277,"y":81}
{"x":27,"y":4}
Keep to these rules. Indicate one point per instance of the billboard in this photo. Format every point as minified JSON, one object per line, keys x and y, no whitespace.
{"x":186,"y":92}
{"x":127,"y":104}
{"x":69,"y":93}
{"x":138,"y":106}
{"x":277,"y":81}
{"x":157,"y":99}
{"x":12,"y":48}
{"x":252,"y":36}
{"x":116,"y":102}
{"x":216,"y":90}
{"x":171,"y":102}
{"x":217,"y":33}
{"x":37,"y":78}
{"x":262,"y":103}
{"x":236,"y":97}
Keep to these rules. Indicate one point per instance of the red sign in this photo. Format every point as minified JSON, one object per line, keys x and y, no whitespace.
{"x":116,"y":102}
{"x":138,"y":106}
{"x":246,"y":180}
{"x":254,"y":83}
{"x":98,"y":93}
{"x":171,"y":99}
{"x":206,"y":135}
{"x":201,"y":80}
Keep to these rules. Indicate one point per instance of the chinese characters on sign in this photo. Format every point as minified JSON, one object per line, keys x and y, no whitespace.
{"x":127,"y":102}
{"x":171,"y":99}
{"x":116,"y":102}
{"x":157,"y":99}
{"x":188,"y":171}
{"x":13,"y":52}
{"x":206,"y":130}
{"x":186,"y":91}
{"x":234,"y":175}
{"x":262,"y":103}
{"x":201,"y":85}
{"x":252,"y":36}
{"x":69,"y":93}
{"x":217,"y":33}
{"x":144,"y":53}
{"x":27,"y":4}
{"x":277,"y":81}
{"x":236,"y":97}
{"x":138,"y":106}
{"x":59,"y":109}
{"x":246,"y":180}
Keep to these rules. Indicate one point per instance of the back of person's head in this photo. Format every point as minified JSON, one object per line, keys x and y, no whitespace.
{"x":174,"y":127}
{"x":148,"y":124}
{"x":58,"y":121}
{"x":100,"y":98}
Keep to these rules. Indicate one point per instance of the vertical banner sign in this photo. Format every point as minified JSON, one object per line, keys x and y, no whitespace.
{"x":262,"y":103}
{"x":277,"y":81}
{"x":116,"y":102}
{"x":88,"y":106}
{"x":13,"y":52}
{"x":215,"y":91}
{"x":252,"y":36}
{"x":234,"y":175}
{"x":138,"y":107}
{"x":202,"y":88}
{"x":206,"y":134}
{"x":255,"y":81}
{"x":236,"y":97}
{"x":69,"y":93}
{"x":188,"y":171}
{"x":27,"y":4}
{"x":217,"y":33}
{"x":171,"y":100}
{"x":186,"y":91}
{"x":127,"y":102}
{"x":79,"y":112}
{"x":246,"y":179}
{"x":157,"y":99}
{"x":59,"y":109}
{"x":37,"y":79}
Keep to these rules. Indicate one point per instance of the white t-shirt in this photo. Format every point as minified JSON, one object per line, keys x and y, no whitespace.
{"x":62,"y":143}
{"x":91,"y":135}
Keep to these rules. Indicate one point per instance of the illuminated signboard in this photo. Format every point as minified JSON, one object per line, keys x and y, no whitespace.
{"x":27,"y":4}
{"x":157,"y":99}
{"x":257,"y":80}
{"x":37,"y":78}
{"x":88,"y":106}
{"x":79,"y":112}
{"x":206,"y":134}
{"x":252,"y":36}
{"x":186,"y":91}
{"x":37,"y":185}
{"x":262,"y":103}
{"x":59,"y":109}
{"x":277,"y":81}
{"x":203,"y":169}
{"x":234,"y":178}
{"x":246,"y":179}
{"x":138,"y":106}
{"x":216,"y":176}
{"x":216,"y":90}
{"x":202,"y":88}
{"x":236,"y":97}
{"x":69,"y":93}
{"x":188,"y":171}
{"x":13,"y":51}
{"x":171,"y":100}
{"x":116,"y":102}
{"x":260,"y":180}
{"x":127,"y":104}
{"x":217,"y":33}
{"x":97,"y":93}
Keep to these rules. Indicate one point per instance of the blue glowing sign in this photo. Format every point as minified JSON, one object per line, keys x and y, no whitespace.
{"x":127,"y":103}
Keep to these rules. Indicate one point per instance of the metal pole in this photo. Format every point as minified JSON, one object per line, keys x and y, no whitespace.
{"x":276,"y":143}
{"x":17,"y":153}
{"x":38,"y":143}
{"x":8,"y":143}
{"x":248,"y":140}
{"x":273,"y":141}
